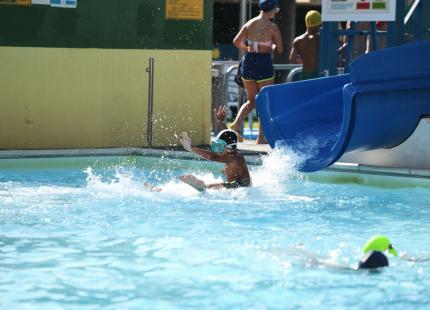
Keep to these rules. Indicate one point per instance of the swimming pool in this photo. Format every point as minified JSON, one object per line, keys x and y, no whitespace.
{"x":87,"y":233}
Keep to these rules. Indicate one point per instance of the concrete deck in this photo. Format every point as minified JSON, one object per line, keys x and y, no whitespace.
{"x":249,"y":146}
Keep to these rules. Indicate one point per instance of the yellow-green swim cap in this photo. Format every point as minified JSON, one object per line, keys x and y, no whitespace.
{"x":313,"y":19}
{"x":379,"y":243}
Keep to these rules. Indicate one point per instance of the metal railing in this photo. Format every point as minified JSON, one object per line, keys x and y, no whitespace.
{"x":294,"y":69}
{"x":229,"y":68}
{"x":150,"y":71}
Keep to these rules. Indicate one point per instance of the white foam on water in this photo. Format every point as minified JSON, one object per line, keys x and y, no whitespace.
{"x":43,"y":196}
{"x":278,"y":166}
{"x":177,"y":188}
{"x":271,"y":178}
{"x":278,"y":170}
{"x":124,"y":184}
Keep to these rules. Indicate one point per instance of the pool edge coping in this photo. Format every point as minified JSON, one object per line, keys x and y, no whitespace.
{"x":252,"y":158}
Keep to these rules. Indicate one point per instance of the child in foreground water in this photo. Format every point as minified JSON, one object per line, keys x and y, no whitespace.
{"x":223,"y":150}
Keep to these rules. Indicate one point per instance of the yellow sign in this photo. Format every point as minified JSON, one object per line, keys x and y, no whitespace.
{"x":185,"y":9}
{"x":16,"y":2}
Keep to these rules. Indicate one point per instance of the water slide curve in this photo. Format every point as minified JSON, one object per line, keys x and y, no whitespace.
{"x":377,"y":105}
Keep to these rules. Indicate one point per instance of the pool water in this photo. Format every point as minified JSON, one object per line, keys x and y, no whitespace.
{"x":88,"y":233}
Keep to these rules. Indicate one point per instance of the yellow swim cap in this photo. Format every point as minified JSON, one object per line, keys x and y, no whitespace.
{"x":313,"y":19}
{"x":379,"y":243}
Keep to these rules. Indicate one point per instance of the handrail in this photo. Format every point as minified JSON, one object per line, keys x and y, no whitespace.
{"x":234,"y":65}
{"x":411,"y":11}
{"x":293,"y":73}
{"x":231,"y":68}
{"x":296,"y":68}
{"x":286,"y":66}
{"x":225,"y":81}
{"x":150,"y":70}
{"x":277,"y":67}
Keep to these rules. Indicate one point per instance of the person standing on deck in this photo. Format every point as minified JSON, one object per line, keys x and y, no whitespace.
{"x":259,"y":38}
{"x":307,"y":46}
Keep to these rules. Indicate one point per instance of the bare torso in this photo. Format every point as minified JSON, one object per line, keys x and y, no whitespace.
{"x":236,"y":169}
{"x":307,"y":46}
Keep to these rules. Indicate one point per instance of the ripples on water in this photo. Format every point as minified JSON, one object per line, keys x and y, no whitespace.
{"x":88,"y":233}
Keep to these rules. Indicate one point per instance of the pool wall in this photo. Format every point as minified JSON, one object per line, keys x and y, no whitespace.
{"x":76,"y":78}
{"x":414,"y":153}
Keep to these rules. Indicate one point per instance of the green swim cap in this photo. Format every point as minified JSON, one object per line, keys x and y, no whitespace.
{"x":379,"y":243}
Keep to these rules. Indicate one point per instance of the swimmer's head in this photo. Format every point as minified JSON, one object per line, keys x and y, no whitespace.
{"x":372,"y":260}
{"x":268,"y":5}
{"x":225,"y":139}
{"x":379,"y":243}
{"x":313,"y":19}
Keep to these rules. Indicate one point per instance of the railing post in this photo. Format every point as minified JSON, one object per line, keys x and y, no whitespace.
{"x":396,"y":28}
{"x":150,"y":70}
{"x":328,"y":48}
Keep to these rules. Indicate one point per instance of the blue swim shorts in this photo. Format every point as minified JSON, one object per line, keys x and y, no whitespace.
{"x":257,"y":67}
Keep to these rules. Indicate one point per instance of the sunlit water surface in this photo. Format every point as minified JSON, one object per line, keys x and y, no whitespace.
{"x":88,"y":233}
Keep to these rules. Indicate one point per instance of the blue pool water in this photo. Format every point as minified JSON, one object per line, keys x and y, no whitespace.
{"x":87,"y":233}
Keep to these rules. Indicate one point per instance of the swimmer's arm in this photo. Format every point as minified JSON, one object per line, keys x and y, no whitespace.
{"x":239,"y":40}
{"x":221,"y":158}
{"x":186,"y":143}
{"x":219,"y":116}
{"x":408,"y":258}
{"x":279,"y":47}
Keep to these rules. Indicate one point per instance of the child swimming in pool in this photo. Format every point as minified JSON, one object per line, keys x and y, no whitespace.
{"x":223,"y":150}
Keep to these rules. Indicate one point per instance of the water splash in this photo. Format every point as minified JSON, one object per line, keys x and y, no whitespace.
{"x":278,"y":168}
{"x":124,"y":183}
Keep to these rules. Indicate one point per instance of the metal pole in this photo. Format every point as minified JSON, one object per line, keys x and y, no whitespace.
{"x":243,"y":13}
{"x":374,"y":37}
{"x":425,"y":15}
{"x":243,"y":19}
{"x":150,"y":70}
{"x":328,"y":49}
{"x":411,"y":11}
{"x":396,"y":29}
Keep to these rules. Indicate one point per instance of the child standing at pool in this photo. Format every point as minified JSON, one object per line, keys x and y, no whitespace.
{"x":307,"y":46}
{"x":223,"y":150}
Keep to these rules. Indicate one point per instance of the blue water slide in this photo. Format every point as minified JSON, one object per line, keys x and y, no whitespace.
{"x":377,"y":105}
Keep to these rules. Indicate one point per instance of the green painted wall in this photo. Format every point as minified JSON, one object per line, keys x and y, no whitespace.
{"x":122,"y":24}
{"x":75,"y":78}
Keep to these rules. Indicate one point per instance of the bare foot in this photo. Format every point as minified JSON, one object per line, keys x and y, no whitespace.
{"x":193,"y":181}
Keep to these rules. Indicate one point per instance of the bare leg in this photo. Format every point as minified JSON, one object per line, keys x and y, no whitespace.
{"x":251,"y":88}
{"x":260,"y":138}
{"x":193,"y":181}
